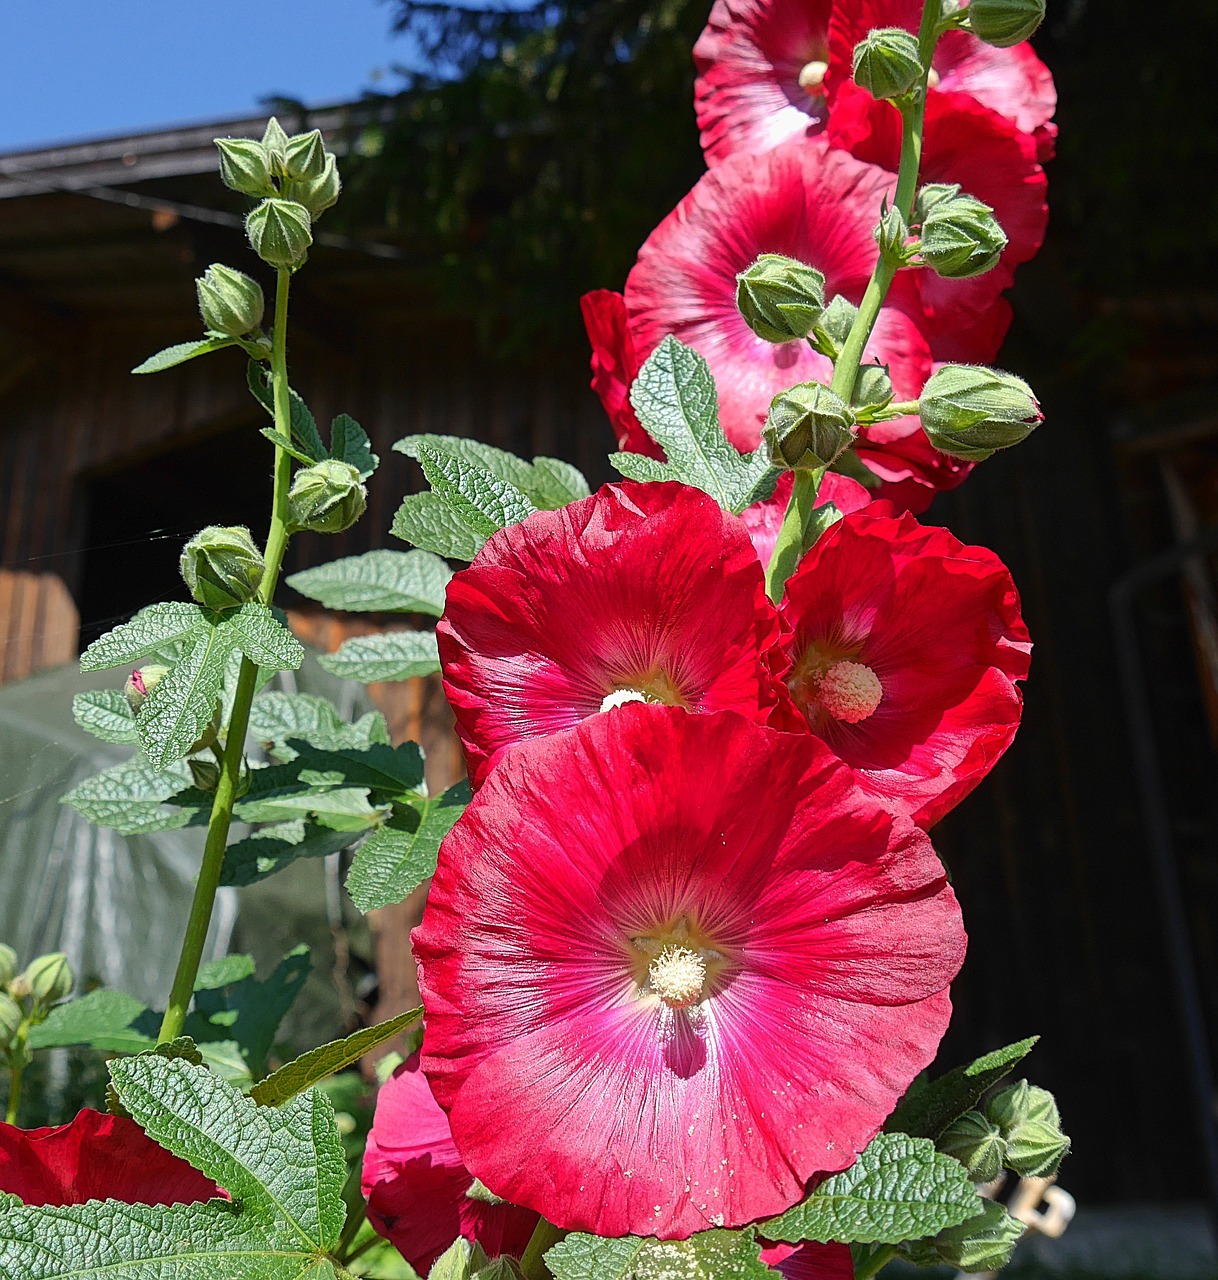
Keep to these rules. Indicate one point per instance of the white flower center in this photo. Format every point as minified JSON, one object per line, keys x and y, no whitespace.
{"x":849,"y":691}
{"x":620,"y":697}
{"x":812,"y":78}
{"x":677,"y":975}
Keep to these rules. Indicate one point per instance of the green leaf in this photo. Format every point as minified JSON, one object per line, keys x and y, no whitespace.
{"x":927,"y":1109}
{"x":182,"y":704}
{"x":150,"y":630}
{"x":275,"y":718}
{"x":711,"y":1255}
{"x":270,"y":850}
{"x":314,"y":1066}
{"x":224,"y":972}
{"x":130,"y":798}
{"x":349,"y":443}
{"x":548,"y":483}
{"x":390,"y":655}
{"x":674,"y":397}
{"x":899,"y":1189}
{"x":556,"y":483}
{"x":397,"y":858}
{"x":303,"y":424}
{"x":101,"y":1019}
{"x":379,"y":581}
{"x":182,"y":352}
{"x":263,"y":638}
{"x":284,"y":1166}
{"x":391,"y":773}
{"x":428,"y":522}
{"x":105,"y":714}
{"x":326,"y":802}
{"x":280,"y":440}
{"x":482,"y":500}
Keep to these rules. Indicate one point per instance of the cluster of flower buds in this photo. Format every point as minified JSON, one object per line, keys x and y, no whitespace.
{"x":808,"y":427}
{"x":1028,"y":1120}
{"x":327,"y":497}
{"x":27,"y":996}
{"x":295,"y":178}
{"x":223,"y":567}
{"x":983,"y":1243}
{"x":970,"y":411}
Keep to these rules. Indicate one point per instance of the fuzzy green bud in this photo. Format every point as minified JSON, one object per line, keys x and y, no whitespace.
{"x":970,"y":411}
{"x":833,"y":328}
{"x":961,"y":238}
{"x":780,"y":298}
{"x":930,"y":195}
{"x":280,"y":232}
{"x":807,"y":427}
{"x":892,"y":235}
{"x":8,"y":964}
{"x":977,"y":1143}
{"x":459,"y":1261}
{"x":501,"y":1268}
{"x":206,"y":773}
{"x":141,"y":682}
{"x":983,"y":1243}
{"x":1004,"y":23}
{"x":872,"y":389}
{"x":229,"y":301}
{"x":886,"y":63}
{"x":326,"y":498}
{"x":11,"y":1017}
{"x":319,"y":193}
{"x":1031,"y":1124}
{"x":50,"y":978}
{"x":275,"y":144}
{"x":223,"y":567}
{"x":305,"y":155}
{"x":245,"y":166}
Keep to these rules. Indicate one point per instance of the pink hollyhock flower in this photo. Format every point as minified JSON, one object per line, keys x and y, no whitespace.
{"x":971,"y":145}
{"x":810,"y":1261}
{"x":416,"y":1185}
{"x":905,"y":646}
{"x":674,"y":968}
{"x":764,"y":519}
{"x":615,"y":365}
{"x":642,"y":592}
{"x":1012,"y":82}
{"x":96,"y":1157}
{"x":803,"y":199}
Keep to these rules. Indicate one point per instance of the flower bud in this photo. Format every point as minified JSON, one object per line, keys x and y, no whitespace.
{"x":983,"y":1243}
{"x":141,"y":682}
{"x":872,"y":389}
{"x":780,"y":298}
{"x":977,"y":1143}
{"x":50,"y":978}
{"x":969,"y":411}
{"x":892,"y":236}
{"x":229,"y":301}
{"x":222,"y":566}
{"x":245,"y":166}
{"x":280,"y":232}
{"x":206,"y":773}
{"x":8,"y":964}
{"x":1003,"y":23}
{"x":11,"y":1017}
{"x":961,"y":238}
{"x":275,"y":144}
{"x":326,"y":498}
{"x":1031,"y":1124}
{"x":929,"y":195}
{"x":807,"y":427}
{"x":886,"y":63}
{"x":305,"y":155}
{"x":319,"y":193}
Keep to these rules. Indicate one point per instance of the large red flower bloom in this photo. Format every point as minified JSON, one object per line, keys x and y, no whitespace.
{"x":968,"y":144}
{"x":905,"y":646}
{"x":675,"y":967}
{"x":416,"y":1185}
{"x":640,"y":592}
{"x":803,"y":199}
{"x":96,"y":1157}
{"x":810,"y":1261}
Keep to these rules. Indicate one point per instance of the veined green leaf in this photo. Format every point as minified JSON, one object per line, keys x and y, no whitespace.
{"x":548,"y":483}
{"x":349,"y":443}
{"x":150,"y":630}
{"x":182,"y":704}
{"x":181,"y":352}
{"x":303,"y":424}
{"x":263,"y":638}
{"x":105,"y":714}
{"x":484,"y":501}
{"x":130,"y":798}
{"x":389,"y":655}
{"x":378,"y":581}
{"x":276,"y":718}
{"x":101,"y":1019}
{"x":270,"y":850}
{"x":711,"y":1255}
{"x":428,"y":522}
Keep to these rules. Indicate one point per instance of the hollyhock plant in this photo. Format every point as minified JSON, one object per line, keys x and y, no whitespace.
{"x":804,"y":200}
{"x":674,"y":967}
{"x":640,"y":592}
{"x":416,"y":1186}
{"x":905,"y":646}
{"x":96,"y":1157}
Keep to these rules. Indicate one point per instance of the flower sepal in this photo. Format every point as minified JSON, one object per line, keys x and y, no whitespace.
{"x":780,"y":298}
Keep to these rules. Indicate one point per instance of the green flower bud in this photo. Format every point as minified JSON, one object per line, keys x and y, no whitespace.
{"x":229,"y":301}
{"x":305,"y":155}
{"x":780,"y":299}
{"x":141,"y":682}
{"x":326,"y":498}
{"x":280,"y":232}
{"x":222,"y":567}
{"x":275,"y":144}
{"x":1035,"y":1149}
{"x":1003,"y":23}
{"x":50,"y":978}
{"x":977,"y":1143}
{"x":317,"y":194}
{"x":834,"y":326}
{"x":206,"y":773}
{"x":245,"y":166}
{"x":459,"y":1261}
{"x":12,"y":1015}
{"x":8,"y":964}
{"x":892,"y":235}
{"x":983,"y":1243}
{"x":886,"y":63}
{"x":501,"y":1268}
{"x":929,"y":196}
{"x":872,"y":389}
{"x":807,"y":427}
{"x":969,"y":411}
{"x":961,"y":238}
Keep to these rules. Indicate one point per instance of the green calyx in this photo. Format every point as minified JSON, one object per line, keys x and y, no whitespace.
{"x":1004,"y":23}
{"x":960,"y":237}
{"x":807,"y":428}
{"x":780,"y":298}
{"x":887,"y":63}
{"x":977,"y":1143}
{"x":280,"y":232}
{"x":326,"y":498}
{"x":1028,"y":1118}
{"x":49,"y":978}
{"x":230,"y":302}
{"x":970,"y":411}
{"x":223,"y":567}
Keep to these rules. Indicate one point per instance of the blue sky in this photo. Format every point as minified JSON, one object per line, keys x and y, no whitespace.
{"x":83,"y":68}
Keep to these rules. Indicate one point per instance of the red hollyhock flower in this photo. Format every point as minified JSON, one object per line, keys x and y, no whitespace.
{"x":764,"y":519}
{"x":642,"y":592}
{"x":810,"y":1261}
{"x":615,"y":365}
{"x":96,"y":1157}
{"x":416,"y":1185}
{"x":803,"y":199}
{"x":971,"y":145}
{"x":720,"y":968}
{"x":905,"y":646}
{"x":1012,"y":82}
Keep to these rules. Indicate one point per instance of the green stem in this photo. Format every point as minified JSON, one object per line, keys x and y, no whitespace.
{"x":876,"y":1263}
{"x":545,"y":1236}
{"x":790,"y":544}
{"x":357,"y":1212}
{"x":16,"y":1071}
{"x":247,"y":678}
